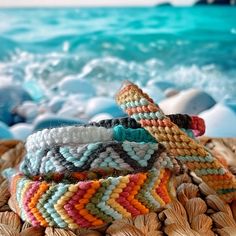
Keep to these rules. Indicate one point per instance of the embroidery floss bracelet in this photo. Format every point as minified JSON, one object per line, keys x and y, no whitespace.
{"x":91,"y":203}
{"x":197,"y":158}
{"x":112,"y":155}
{"x":117,"y":129}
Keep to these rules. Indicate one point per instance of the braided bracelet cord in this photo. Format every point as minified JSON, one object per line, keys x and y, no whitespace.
{"x":198,"y":159}
{"x":90,"y":203}
{"x":93,"y":157}
{"x":184,"y":121}
{"x":72,"y":135}
{"x":106,"y":130}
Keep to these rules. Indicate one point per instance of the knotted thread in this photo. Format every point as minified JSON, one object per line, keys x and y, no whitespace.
{"x":198,"y":159}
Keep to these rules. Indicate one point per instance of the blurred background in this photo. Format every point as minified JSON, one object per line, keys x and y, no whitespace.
{"x":61,"y":62}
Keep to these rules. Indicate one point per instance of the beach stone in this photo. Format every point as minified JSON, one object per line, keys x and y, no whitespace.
{"x":101,"y":116}
{"x":74,"y":85}
{"x":162,"y":85}
{"x":27,"y":110}
{"x":230,"y":102}
{"x":170,"y":92}
{"x":11,"y":96}
{"x":18,"y":119}
{"x":99,"y":105}
{"x":74,"y":106}
{"x":34,"y":88}
{"x":52,"y":121}
{"x":220,"y":121}
{"x":5,"y":132}
{"x":68,"y":111}
{"x":56,"y":103}
{"x":21,"y":130}
{"x":191,"y":101}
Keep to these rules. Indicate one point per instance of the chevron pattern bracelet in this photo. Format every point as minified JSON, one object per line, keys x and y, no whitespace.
{"x":91,"y":203}
{"x":81,"y":157}
{"x":94,"y":157}
{"x":197,"y":158}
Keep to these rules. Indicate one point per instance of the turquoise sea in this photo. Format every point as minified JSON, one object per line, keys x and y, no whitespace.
{"x":192,"y":47}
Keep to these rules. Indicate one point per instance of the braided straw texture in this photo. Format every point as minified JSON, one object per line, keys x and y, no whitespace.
{"x":198,"y":159}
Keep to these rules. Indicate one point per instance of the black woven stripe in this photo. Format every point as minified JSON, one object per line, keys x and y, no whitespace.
{"x":183,"y":121}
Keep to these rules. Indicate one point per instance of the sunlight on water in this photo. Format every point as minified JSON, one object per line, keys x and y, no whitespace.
{"x":187,"y":46}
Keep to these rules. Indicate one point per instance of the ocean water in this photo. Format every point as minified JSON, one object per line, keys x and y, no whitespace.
{"x":191,"y":47}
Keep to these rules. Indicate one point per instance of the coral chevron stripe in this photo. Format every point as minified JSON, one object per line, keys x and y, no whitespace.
{"x":122,"y":199}
{"x":28,"y":204}
{"x":137,"y":183}
{"x":90,"y":191}
{"x":33,"y":204}
{"x":24,"y":186}
{"x":71,"y":209}
{"x":115,"y":200}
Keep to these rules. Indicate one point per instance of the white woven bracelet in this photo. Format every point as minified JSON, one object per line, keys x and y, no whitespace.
{"x":68,"y":135}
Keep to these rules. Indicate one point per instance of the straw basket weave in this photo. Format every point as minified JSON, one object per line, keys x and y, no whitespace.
{"x":196,"y":211}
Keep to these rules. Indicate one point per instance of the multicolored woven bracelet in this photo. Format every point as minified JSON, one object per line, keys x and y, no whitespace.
{"x":198,"y":159}
{"x":91,"y":203}
{"x":93,"y":157}
{"x":186,"y":122}
{"x":79,"y":157}
{"x":104,"y":131}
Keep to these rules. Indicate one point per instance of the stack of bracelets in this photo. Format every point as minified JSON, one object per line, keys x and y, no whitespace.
{"x":88,"y":176}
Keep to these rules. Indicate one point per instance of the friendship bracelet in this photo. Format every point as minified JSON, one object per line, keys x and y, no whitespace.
{"x":163,"y":161}
{"x":186,"y":122}
{"x":72,"y":135}
{"x":91,"y":203}
{"x":197,"y":158}
{"x":93,"y":157}
{"x":115,"y":129}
